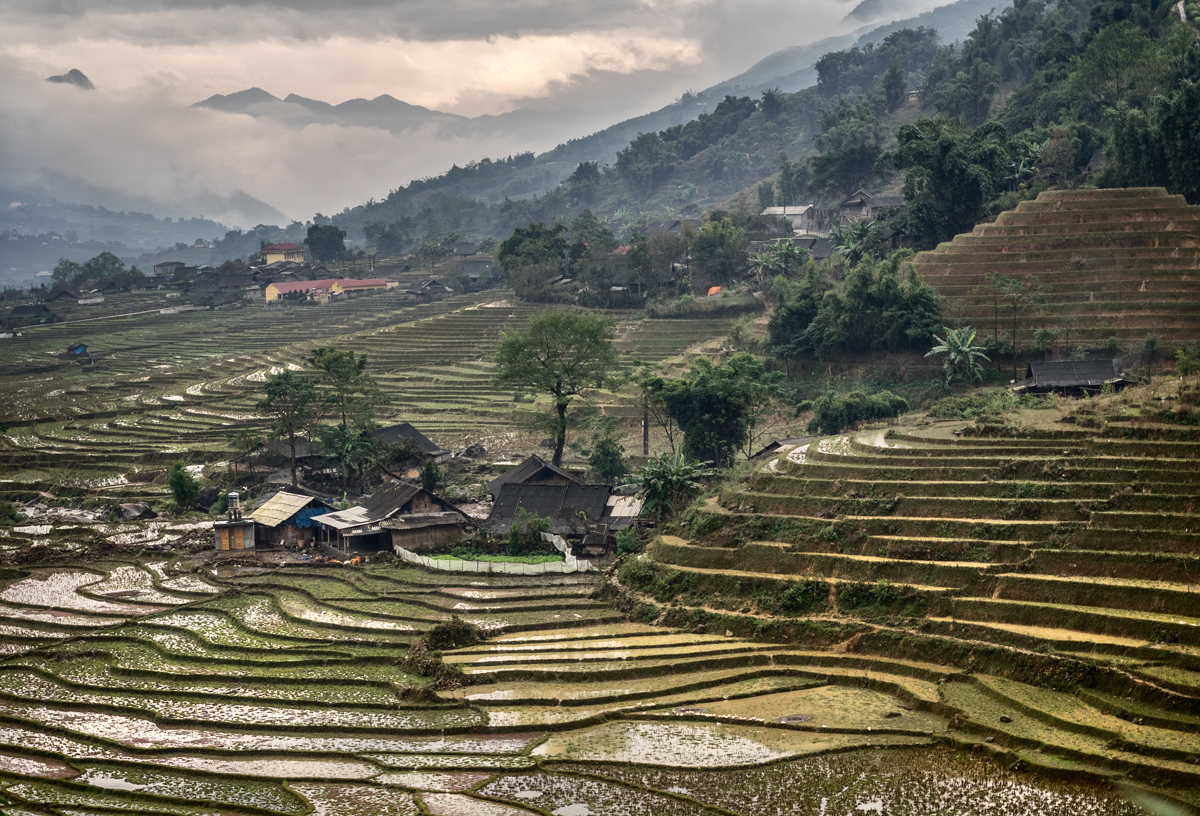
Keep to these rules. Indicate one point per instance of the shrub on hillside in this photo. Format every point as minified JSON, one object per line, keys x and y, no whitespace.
{"x":835,"y":412}
{"x":184,"y":488}
{"x":453,"y":634}
{"x":973,"y":406}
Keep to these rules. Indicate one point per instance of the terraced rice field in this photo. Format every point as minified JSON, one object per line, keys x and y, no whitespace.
{"x":1114,"y":263}
{"x":1035,"y":582}
{"x":280,"y":692}
{"x":167,"y":387}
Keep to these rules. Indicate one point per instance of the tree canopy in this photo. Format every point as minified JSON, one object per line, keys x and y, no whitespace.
{"x":292,"y":404}
{"x":562,"y":354}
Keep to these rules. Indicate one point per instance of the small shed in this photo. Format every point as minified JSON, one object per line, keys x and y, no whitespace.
{"x":77,"y":348}
{"x":234,"y":532}
{"x":287,"y":518}
{"x":1072,"y":378}
{"x":533,"y":471}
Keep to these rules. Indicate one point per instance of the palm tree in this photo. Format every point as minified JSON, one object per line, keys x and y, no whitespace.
{"x":962,"y":355}
{"x":856,"y":239}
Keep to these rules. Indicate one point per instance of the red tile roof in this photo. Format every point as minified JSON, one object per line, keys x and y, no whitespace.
{"x":283,"y":287}
{"x":352,"y":284}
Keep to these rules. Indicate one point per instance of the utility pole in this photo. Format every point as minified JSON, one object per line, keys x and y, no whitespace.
{"x":645,"y":425}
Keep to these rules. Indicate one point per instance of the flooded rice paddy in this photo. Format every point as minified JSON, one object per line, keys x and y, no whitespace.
{"x":164,"y":688}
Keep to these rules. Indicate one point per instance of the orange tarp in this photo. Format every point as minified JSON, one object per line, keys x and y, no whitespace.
{"x":715,"y":290}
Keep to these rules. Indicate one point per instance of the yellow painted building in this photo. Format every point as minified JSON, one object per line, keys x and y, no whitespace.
{"x":283,"y":252}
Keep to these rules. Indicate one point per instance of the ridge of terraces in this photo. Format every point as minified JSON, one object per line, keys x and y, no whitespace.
{"x":1130,"y":255}
{"x":1048,"y":566}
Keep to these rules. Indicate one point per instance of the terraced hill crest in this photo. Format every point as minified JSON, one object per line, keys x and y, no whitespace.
{"x":1120,"y":263}
{"x":1046,"y":559}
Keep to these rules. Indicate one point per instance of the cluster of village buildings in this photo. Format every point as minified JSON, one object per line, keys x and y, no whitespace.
{"x":279,"y":272}
{"x":403,"y":515}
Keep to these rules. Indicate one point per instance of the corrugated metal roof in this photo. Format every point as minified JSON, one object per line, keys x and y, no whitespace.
{"x":281,"y":507}
{"x":344,"y":519}
{"x":1071,"y":373}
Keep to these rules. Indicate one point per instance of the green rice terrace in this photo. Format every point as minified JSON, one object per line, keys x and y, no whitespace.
{"x":167,"y":686}
{"x":991,"y":609}
{"x":1117,"y":263}
{"x":165,"y":387}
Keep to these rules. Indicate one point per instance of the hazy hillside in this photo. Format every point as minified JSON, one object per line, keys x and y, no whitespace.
{"x":489,"y":184}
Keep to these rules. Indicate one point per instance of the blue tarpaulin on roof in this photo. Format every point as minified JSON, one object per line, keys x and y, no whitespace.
{"x":305,"y":517}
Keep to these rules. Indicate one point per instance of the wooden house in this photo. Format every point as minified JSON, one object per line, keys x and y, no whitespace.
{"x":1072,"y":378}
{"x":60,"y":293}
{"x":405,"y":434}
{"x":429,"y":289}
{"x":574,"y":510}
{"x":804,"y":218}
{"x":477,"y":269}
{"x":397,"y":514}
{"x":287,"y":518}
{"x":31,"y":315}
{"x":864,"y":206}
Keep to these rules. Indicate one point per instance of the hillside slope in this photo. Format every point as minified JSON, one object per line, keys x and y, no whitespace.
{"x":1115,"y":263}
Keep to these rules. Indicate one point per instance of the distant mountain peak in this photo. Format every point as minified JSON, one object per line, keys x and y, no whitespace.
{"x":237,"y":102}
{"x":73,"y":77}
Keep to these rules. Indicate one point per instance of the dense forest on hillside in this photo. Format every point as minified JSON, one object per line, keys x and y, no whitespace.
{"x":1042,"y":93}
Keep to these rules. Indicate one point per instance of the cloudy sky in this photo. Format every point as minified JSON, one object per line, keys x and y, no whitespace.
{"x":597,"y":62}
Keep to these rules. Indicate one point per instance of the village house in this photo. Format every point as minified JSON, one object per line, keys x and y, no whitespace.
{"x":863,"y":206}
{"x":350,"y":286}
{"x":575,"y":509}
{"x":282,"y":252}
{"x":32,"y":314}
{"x":397,"y":514}
{"x":59,"y":293}
{"x":167,"y":269}
{"x":477,"y":269}
{"x":429,"y":290}
{"x":1072,"y":378}
{"x":287,"y":519}
{"x":805,"y":218}
{"x":406,"y":434}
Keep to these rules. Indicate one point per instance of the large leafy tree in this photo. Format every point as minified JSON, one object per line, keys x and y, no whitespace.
{"x":347,"y":386}
{"x":531,"y":256}
{"x":951,"y":174}
{"x":292,"y":404}
{"x":874,"y":308}
{"x":326,"y":242}
{"x":563,"y":354}
{"x":719,"y":248}
{"x":851,"y":141}
{"x":716,"y":405}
